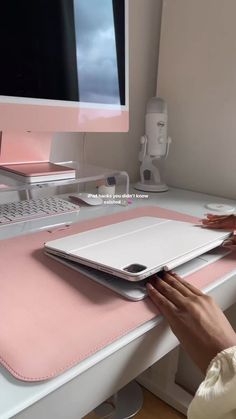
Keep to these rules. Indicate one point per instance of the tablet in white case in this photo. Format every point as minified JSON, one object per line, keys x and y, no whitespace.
{"x":137,"y":248}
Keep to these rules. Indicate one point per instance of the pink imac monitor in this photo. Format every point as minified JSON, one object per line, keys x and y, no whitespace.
{"x":64,"y":65}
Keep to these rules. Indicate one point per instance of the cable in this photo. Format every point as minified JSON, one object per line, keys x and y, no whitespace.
{"x":84,"y":149}
{"x":83,"y":161}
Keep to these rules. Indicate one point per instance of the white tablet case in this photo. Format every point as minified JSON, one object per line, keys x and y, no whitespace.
{"x":137,"y":248}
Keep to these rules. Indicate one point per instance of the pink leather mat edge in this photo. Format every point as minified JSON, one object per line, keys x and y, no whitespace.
{"x":52,"y":317}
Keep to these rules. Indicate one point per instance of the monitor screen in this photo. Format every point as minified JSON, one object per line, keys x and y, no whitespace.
{"x":64,"y":54}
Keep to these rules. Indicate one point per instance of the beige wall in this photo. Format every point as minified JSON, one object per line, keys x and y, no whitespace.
{"x":197,"y":76}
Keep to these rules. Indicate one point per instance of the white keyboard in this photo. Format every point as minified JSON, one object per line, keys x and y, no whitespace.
{"x":50,"y":210}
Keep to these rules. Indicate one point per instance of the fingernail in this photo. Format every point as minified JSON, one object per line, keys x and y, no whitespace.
{"x":150,"y":286}
{"x":172,"y":273}
{"x":227,"y":242}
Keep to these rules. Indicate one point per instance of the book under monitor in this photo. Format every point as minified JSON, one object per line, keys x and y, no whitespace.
{"x":38,"y":172}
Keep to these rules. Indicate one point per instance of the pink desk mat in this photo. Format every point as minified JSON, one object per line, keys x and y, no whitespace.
{"x":51,"y":317}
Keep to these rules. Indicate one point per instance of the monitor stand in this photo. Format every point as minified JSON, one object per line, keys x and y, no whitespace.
{"x":24,"y":147}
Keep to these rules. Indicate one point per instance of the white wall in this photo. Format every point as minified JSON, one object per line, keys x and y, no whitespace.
{"x":197,"y":76}
{"x":66,"y":147}
{"x":121,"y":150}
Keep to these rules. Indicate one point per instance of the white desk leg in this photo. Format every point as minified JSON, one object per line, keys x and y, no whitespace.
{"x":160,"y":380}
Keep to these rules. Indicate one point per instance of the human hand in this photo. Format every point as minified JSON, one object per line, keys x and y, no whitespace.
{"x":230,"y":243}
{"x":194,"y":318}
{"x":226,"y":222}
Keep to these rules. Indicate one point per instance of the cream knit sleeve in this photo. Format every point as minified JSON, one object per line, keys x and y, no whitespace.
{"x":216,"y":396}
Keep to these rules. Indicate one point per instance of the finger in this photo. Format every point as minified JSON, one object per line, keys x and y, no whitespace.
{"x":224,"y":221}
{"x":214,"y":225}
{"x":163,"y":304}
{"x":216,"y":217}
{"x":208,"y":218}
{"x":206,"y":221}
{"x":229,"y":244}
{"x":211,"y":221}
{"x":219,"y":222}
{"x":176,"y":282}
{"x":231,"y":240}
{"x":221,"y":219}
{"x":187,"y":285}
{"x":170,"y":293}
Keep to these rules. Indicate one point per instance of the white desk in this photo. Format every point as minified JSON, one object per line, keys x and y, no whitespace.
{"x":76,"y":392}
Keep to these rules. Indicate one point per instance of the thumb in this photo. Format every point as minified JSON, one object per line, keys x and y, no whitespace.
{"x":230,"y":243}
